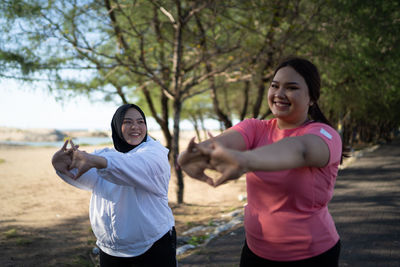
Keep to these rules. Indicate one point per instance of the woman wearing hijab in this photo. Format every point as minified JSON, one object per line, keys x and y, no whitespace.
{"x":129,"y":211}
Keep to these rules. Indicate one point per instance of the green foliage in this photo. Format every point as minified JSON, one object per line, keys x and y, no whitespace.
{"x":27,"y":66}
{"x":210,"y":59}
{"x":361,"y":89}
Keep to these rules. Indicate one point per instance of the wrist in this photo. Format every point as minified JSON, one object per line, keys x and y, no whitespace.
{"x":98,"y":162}
{"x":244,"y":161}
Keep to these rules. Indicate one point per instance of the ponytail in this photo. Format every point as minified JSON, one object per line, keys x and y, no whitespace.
{"x":316,"y":114}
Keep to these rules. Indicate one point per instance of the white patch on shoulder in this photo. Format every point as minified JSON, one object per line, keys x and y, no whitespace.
{"x":324,"y":132}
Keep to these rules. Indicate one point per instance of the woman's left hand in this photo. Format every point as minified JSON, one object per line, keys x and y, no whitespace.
{"x":230,"y":163}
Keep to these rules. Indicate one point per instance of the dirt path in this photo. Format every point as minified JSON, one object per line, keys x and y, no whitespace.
{"x":44,"y":222}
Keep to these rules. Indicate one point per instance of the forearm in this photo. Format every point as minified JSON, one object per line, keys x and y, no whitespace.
{"x":286,"y":154}
{"x":84,"y":161}
{"x":283,"y":155}
{"x":97,"y":162}
{"x":230,"y":139}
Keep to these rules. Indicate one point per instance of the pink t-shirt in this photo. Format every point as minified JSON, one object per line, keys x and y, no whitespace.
{"x":287,"y":217}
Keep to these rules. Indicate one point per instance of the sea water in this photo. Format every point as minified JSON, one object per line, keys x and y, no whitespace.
{"x":77,"y":141}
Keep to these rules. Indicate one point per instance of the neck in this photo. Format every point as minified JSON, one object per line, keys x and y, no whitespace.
{"x":284,"y":125}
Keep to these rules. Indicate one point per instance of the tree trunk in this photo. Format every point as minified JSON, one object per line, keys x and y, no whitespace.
{"x":175,"y":152}
{"x":203,"y":126}
{"x":246,"y":91}
{"x":261,"y":80}
{"x":177,"y":104}
{"x":162,"y":121}
{"x":196,"y":128}
{"x":217,"y":109}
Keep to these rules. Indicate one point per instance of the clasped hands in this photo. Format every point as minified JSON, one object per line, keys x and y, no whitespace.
{"x":66,"y":159}
{"x":198,"y":157}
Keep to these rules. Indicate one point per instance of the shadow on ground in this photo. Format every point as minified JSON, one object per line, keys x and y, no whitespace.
{"x":59,"y":245}
{"x":366,"y":209}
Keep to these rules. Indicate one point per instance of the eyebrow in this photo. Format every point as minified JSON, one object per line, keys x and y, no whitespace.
{"x":288,"y":83}
{"x":131,"y":119}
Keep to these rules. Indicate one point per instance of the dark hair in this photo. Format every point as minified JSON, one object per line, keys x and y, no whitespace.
{"x":311,"y":75}
{"x":119,"y":141}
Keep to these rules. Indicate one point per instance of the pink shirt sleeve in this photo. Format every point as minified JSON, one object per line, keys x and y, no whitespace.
{"x":331,"y":138}
{"x":248,"y":129}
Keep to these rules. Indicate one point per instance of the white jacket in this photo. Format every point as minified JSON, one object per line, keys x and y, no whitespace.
{"x":129,"y":205}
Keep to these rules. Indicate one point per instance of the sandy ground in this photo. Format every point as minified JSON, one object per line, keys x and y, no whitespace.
{"x":44,"y":221}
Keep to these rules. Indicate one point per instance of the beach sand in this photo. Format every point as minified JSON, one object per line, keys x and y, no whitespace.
{"x":44,"y":221}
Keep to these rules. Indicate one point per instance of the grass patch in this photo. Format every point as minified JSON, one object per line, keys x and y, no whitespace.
{"x":84,"y":144}
{"x":81,"y":261}
{"x":21,"y":241}
{"x":91,"y":242}
{"x":197,"y":240}
{"x":99,"y":144}
{"x":211,"y":223}
{"x":231,"y":209}
{"x":11,"y":233}
{"x":190,"y":224}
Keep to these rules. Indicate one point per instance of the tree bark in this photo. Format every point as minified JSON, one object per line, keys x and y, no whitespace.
{"x":175,"y":151}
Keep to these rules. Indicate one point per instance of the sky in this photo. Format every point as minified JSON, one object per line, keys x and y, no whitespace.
{"x":28,"y":107}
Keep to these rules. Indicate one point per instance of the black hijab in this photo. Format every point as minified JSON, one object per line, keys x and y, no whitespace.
{"x":116,"y":127}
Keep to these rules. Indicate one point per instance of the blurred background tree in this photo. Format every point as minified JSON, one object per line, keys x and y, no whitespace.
{"x":197,"y":60}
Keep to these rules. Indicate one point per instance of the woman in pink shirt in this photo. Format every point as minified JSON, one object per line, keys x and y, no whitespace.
{"x":291,"y":163}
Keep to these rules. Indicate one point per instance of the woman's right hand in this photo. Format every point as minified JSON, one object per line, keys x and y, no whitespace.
{"x":193,"y":162}
{"x":62,"y":160}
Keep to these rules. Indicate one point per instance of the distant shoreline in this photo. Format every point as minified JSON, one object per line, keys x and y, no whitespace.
{"x":16,"y":137}
{"x":8,"y":134}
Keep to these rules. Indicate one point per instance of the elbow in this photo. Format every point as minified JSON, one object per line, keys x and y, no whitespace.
{"x":304,"y":157}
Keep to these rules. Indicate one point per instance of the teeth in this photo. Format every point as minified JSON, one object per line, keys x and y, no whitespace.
{"x":281,"y":104}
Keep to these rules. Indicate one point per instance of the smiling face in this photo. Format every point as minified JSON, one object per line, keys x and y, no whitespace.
{"x":133,"y":127}
{"x":288,"y":98}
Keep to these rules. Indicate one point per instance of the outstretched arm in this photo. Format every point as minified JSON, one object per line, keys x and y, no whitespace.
{"x":294,"y":152}
{"x":62,"y":162}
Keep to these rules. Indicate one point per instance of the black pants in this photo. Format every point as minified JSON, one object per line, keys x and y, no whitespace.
{"x":162,"y":253}
{"x":329,"y":258}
